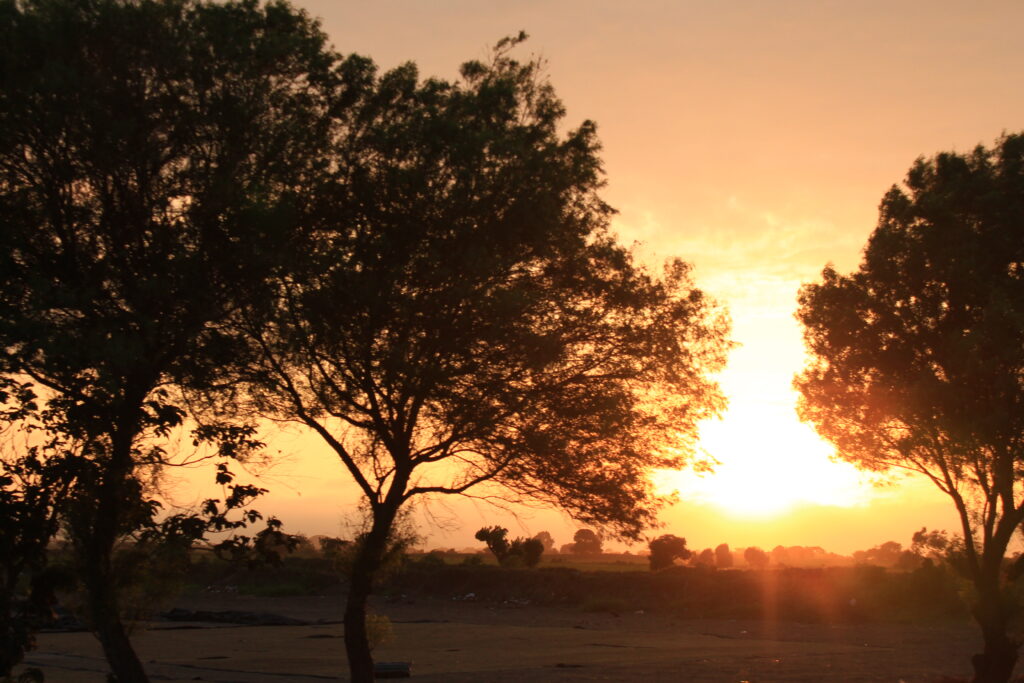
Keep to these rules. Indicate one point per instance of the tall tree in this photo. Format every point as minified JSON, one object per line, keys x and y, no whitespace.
{"x":917,"y":360}
{"x":157,"y":160}
{"x":470,"y":325}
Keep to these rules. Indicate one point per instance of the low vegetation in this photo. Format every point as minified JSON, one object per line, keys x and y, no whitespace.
{"x":819,"y":595}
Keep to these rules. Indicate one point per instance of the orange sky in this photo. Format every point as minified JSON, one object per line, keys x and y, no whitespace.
{"x":755,"y":140}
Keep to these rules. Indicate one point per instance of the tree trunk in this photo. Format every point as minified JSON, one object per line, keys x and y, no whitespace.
{"x":996,"y":663}
{"x":368,"y":559}
{"x":11,"y":641}
{"x":117,"y":648}
{"x":97,"y":554}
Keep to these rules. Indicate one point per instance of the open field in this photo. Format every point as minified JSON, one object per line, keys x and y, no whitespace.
{"x":484,"y":623}
{"x":449,"y":640}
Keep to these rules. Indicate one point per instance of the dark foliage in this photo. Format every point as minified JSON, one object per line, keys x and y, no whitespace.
{"x":157,"y":161}
{"x":756,"y":557}
{"x":587,"y":542}
{"x":665,"y":550}
{"x":917,"y":360}
{"x":519,"y":552}
{"x":467,"y":306}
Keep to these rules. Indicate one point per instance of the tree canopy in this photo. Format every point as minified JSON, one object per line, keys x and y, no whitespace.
{"x":468,"y":325}
{"x":470,"y":307}
{"x":666,"y":549}
{"x":158,"y":160}
{"x":917,"y":360}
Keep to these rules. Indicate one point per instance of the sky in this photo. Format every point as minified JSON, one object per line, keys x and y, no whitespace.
{"x":754,"y":139}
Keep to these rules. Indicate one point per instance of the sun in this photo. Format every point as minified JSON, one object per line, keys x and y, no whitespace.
{"x":769,"y":463}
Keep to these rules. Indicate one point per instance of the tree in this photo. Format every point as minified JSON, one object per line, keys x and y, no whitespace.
{"x":157,"y":161}
{"x":546,"y":540}
{"x":665,"y":550}
{"x":916,"y":359}
{"x":33,"y":482}
{"x":889,"y":554}
{"x":705,"y":558}
{"x":496,"y":539}
{"x":587,"y":542}
{"x":723,"y":556}
{"x":468,"y":326}
{"x":755,"y":557}
{"x":525,"y":551}
{"x":935,"y":545}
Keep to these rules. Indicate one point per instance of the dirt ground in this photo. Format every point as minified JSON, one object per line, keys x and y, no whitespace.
{"x":449,"y":640}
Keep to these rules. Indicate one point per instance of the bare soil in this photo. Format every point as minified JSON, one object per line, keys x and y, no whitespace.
{"x":463,"y":640}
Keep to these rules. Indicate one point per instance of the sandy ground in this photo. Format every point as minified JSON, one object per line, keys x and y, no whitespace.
{"x":464,"y":641}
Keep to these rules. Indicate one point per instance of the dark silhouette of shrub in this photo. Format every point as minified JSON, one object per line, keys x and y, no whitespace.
{"x":519,"y":552}
{"x":665,"y":550}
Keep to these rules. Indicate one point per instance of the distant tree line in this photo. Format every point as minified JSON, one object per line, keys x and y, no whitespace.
{"x":927,"y":548}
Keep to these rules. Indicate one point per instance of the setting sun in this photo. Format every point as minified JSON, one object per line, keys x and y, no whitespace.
{"x":768,"y":462}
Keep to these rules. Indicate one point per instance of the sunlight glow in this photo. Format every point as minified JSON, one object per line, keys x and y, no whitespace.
{"x":768,"y":463}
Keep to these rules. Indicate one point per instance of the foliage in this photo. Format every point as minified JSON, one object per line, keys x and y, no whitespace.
{"x":496,"y":539}
{"x":332,"y":548}
{"x":34,"y":480}
{"x":820,"y":595}
{"x":916,"y":360}
{"x":529,"y":549}
{"x":158,"y":159}
{"x":723,"y":556}
{"x":586,"y":542}
{"x":521,"y":551}
{"x":705,"y":558}
{"x":490,"y":322}
{"x":888,"y":554}
{"x":546,"y":540}
{"x":665,"y":550}
{"x":755,"y":557}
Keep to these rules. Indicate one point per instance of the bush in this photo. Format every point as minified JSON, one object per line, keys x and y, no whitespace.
{"x":665,"y":550}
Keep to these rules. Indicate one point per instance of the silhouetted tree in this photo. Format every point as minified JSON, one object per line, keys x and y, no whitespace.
{"x":935,"y":544}
{"x":723,"y":556}
{"x":33,"y":485}
{"x":156,"y":160}
{"x":530,"y":550}
{"x":521,"y":551}
{"x":469,"y":307}
{"x":496,"y":539}
{"x":546,"y":540}
{"x":888,"y":554}
{"x":755,"y":557}
{"x":917,"y":361}
{"x":665,"y":550}
{"x":332,"y":547}
{"x":705,"y":558}
{"x":587,"y":542}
